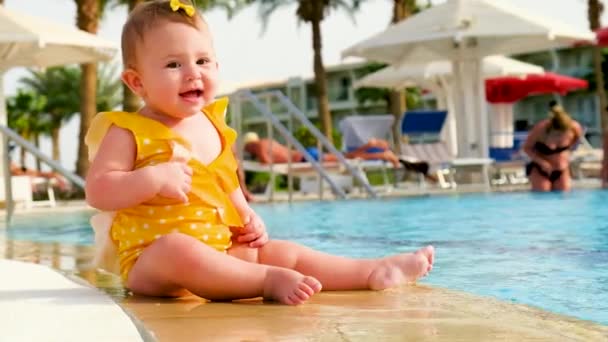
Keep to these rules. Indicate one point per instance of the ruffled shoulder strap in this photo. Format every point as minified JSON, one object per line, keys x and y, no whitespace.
{"x":139,"y":125}
{"x":216,"y":111}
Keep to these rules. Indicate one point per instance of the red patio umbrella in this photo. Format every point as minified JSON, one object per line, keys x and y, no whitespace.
{"x":601,"y":35}
{"x":601,"y":39}
{"x":511,"y":89}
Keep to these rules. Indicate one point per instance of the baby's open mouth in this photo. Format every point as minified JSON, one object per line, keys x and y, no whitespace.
{"x":195,"y":93}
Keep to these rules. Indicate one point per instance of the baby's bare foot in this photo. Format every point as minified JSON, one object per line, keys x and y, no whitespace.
{"x":402,"y":268}
{"x":289,"y":287}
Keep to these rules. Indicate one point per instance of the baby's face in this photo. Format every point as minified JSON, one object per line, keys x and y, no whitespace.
{"x":177,"y":68}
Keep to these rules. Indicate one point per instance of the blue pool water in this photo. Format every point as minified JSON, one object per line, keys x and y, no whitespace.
{"x":546,"y":250}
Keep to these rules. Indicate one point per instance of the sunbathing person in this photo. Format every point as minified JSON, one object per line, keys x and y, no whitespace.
{"x":266,"y":150}
{"x":61,"y":182}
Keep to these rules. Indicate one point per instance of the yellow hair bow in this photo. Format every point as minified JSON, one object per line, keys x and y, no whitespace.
{"x":176,"y":5}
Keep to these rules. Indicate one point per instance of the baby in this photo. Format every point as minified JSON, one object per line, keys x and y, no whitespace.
{"x":167,"y":175}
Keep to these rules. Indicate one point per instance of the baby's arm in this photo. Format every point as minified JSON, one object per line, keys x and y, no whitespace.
{"x":112,"y":184}
{"x":254,"y":230}
{"x":240,"y":203}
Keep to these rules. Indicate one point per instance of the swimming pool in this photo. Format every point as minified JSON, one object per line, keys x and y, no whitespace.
{"x":546,"y":250}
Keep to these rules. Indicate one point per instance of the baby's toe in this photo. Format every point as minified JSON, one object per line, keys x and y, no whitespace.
{"x":302,"y":295}
{"x":313,"y":283}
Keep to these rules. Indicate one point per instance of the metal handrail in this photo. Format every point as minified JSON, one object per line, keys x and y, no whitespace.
{"x":7,"y":134}
{"x":293,"y":111}
{"x":285,"y":132}
{"x":320,"y":137}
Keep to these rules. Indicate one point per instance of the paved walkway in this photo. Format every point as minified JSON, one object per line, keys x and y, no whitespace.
{"x":39,"y":304}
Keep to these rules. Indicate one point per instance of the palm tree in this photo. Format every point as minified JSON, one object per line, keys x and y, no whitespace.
{"x":411,"y":98}
{"x":402,"y":9}
{"x":60,"y":83}
{"x":313,"y":12}
{"x":88,"y":13}
{"x":594,"y":13}
{"x":25,"y":116}
{"x":57,"y":84}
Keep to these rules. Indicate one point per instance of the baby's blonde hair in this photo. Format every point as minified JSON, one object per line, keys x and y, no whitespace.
{"x":144,"y":17}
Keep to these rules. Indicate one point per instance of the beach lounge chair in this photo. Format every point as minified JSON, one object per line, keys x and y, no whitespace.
{"x":308,"y":177}
{"x":510,"y":161}
{"x":421,"y":141}
{"x":23,"y":191}
{"x":586,"y":161}
{"x":360,"y":129}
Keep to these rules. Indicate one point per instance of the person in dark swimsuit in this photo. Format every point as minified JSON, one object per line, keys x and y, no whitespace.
{"x":548,"y":145}
{"x":543,"y":149}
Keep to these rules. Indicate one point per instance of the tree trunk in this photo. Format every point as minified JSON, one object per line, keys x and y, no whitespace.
{"x":88,"y":109}
{"x":401,"y":10}
{"x":55,"y":143}
{"x":320,"y":78}
{"x":87,"y":19}
{"x":594,"y":13}
{"x":37,"y":144}
{"x":130,"y":101}
{"x":22,"y":155}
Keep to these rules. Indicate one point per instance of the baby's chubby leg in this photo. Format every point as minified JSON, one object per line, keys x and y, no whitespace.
{"x":177,"y":261}
{"x":340,"y":273}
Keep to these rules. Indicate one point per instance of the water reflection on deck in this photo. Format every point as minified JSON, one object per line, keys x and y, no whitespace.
{"x":408,"y":313}
{"x":70,"y":260}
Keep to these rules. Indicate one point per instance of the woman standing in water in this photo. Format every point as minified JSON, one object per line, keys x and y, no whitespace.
{"x":548,"y":145}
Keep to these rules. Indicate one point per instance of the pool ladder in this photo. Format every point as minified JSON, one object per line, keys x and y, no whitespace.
{"x":239,"y":98}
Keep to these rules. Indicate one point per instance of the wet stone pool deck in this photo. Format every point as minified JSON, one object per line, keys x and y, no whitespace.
{"x":410,"y":313}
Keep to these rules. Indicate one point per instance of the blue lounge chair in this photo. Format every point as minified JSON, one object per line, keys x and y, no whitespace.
{"x":423,"y":126}
{"x":421,"y":141}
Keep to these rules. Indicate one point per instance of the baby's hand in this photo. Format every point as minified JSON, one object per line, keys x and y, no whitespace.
{"x":175,"y":179}
{"x":254,"y":231}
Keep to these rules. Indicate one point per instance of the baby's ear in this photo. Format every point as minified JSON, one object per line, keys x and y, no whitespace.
{"x":131,"y":78}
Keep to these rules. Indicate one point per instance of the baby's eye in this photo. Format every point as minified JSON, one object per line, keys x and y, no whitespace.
{"x":173,"y":65}
{"x":203,"y":61}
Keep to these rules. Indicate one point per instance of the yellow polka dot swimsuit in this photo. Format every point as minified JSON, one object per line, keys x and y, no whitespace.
{"x":206,"y":216}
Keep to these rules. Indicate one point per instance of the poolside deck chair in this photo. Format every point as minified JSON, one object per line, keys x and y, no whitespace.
{"x":304,"y":172}
{"x":585,"y":160}
{"x":358,"y":130}
{"x":23,"y":191}
{"x":509,"y":166}
{"x":421,"y":141}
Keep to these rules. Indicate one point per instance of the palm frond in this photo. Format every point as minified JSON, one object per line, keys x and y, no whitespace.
{"x":267,"y":7}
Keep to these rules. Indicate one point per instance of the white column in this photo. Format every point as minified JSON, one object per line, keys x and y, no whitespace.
{"x":459,"y":110}
{"x":502,"y":125}
{"x":450,"y":129}
{"x":470,"y":104}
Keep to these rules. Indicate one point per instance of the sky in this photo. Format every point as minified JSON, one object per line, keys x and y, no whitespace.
{"x":248,"y":55}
